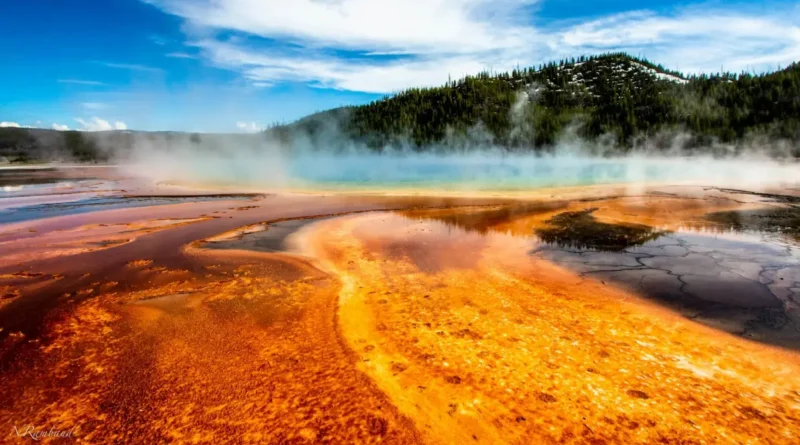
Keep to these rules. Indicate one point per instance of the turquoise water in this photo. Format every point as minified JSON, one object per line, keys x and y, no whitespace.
{"x":520,"y":172}
{"x":482,"y":171}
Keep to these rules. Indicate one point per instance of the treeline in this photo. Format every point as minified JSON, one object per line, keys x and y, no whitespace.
{"x":30,"y":145}
{"x":24,"y":145}
{"x":622,"y":99}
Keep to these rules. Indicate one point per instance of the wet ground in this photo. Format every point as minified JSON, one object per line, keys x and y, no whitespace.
{"x":37,"y":193}
{"x":263,"y":237}
{"x":744,"y":283}
{"x":735,"y":270}
{"x":97,"y":203}
{"x":581,"y":316}
{"x":13,"y":179}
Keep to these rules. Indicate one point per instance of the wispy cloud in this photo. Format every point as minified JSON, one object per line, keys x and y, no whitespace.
{"x":158,"y":40}
{"x":180,"y":56}
{"x":81,"y":82}
{"x":132,"y":67}
{"x":97,"y":124}
{"x":9,"y":125}
{"x":59,"y":127}
{"x":384,"y":46}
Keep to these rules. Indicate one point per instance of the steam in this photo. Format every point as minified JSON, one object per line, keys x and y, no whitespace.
{"x":473,"y":163}
{"x":521,"y":110}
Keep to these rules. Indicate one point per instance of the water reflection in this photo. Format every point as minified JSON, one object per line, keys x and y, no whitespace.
{"x":785,"y":220}
{"x":581,"y":230}
{"x":484,"y":220}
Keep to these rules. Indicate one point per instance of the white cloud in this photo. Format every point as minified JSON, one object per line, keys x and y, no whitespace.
{"x":249,"y":127}
{"x":59,"y":127}
{"x":409,"y":26}
{"x":694,"y":40}
{"x":384,"y":46}
{"x":9,"y":125}
{"x":97,"y":124}
{"x":643,"y":27}
{"x":378,"y":77}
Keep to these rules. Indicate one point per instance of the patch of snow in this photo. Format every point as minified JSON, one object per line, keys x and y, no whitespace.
{"x":661,"y":76}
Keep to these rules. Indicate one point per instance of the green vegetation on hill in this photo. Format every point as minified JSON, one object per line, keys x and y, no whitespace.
{"x":620,"y":98}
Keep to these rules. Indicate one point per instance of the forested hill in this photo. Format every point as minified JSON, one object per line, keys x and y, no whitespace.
{"x":621,"y":99}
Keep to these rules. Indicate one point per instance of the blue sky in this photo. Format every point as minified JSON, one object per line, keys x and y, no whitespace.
{"x":239,"y":65}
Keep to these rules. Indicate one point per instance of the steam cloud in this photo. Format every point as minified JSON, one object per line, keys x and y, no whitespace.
{"x":330,"y":161}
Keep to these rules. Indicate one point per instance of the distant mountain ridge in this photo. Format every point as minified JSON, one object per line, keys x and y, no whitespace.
{"x":614,"y":100}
